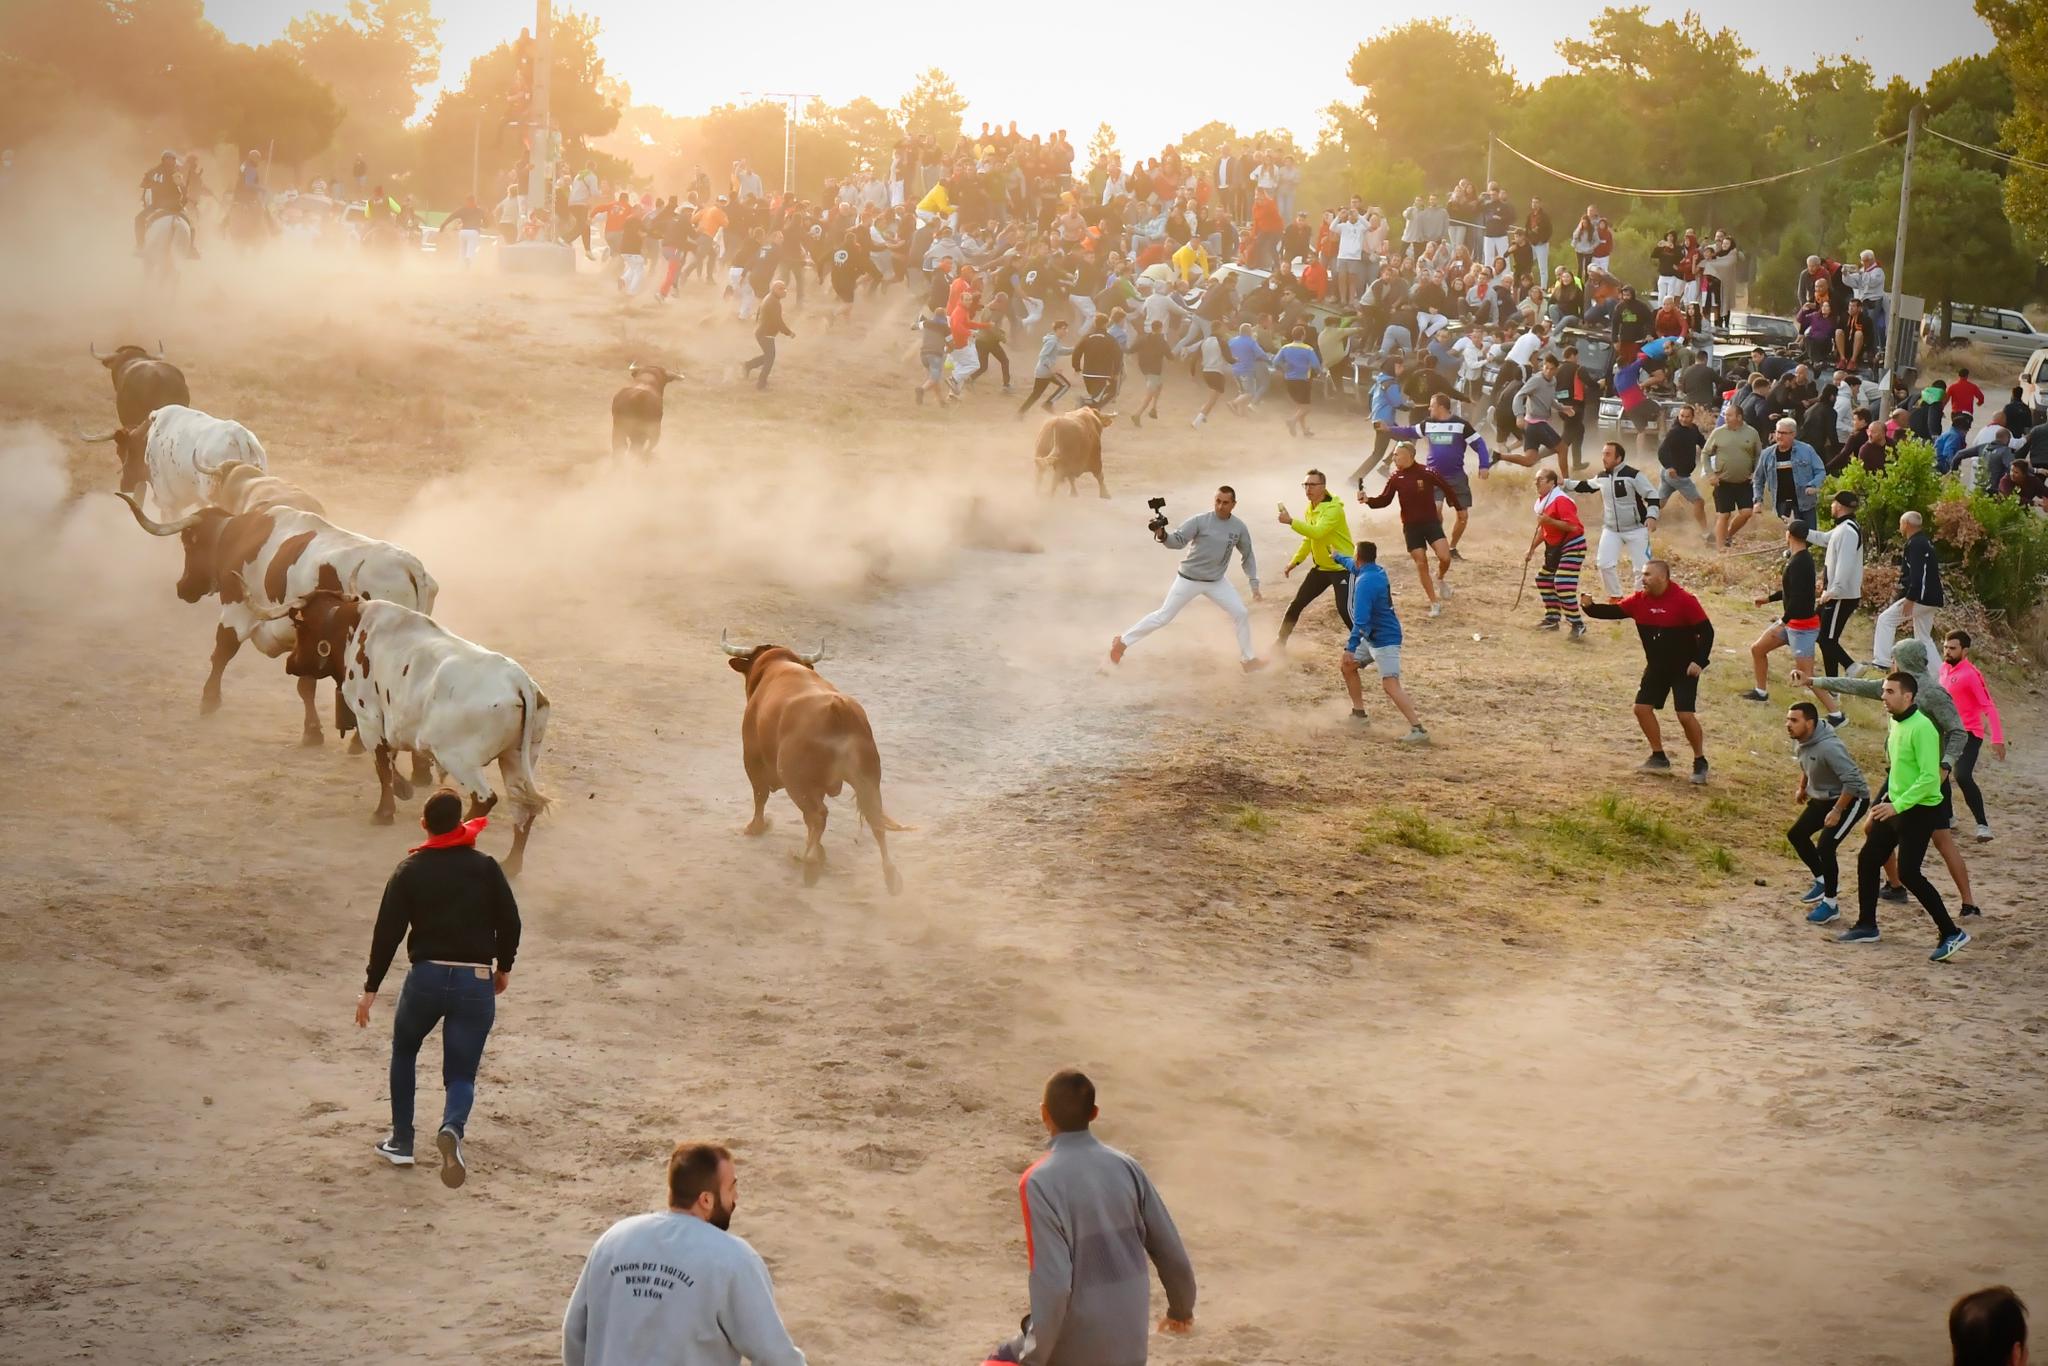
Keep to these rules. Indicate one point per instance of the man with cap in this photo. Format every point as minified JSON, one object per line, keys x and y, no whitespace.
{"x":1789,"y":474}
{"x":1799,"y":623}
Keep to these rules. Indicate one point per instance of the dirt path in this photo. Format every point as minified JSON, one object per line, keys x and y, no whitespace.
{"x":1429,"y":1055}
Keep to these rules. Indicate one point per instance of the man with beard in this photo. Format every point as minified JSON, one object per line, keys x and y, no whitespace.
{"x":676,"y":1286}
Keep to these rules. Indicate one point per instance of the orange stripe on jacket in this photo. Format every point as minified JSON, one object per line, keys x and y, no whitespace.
{"x":1024,"y":1200}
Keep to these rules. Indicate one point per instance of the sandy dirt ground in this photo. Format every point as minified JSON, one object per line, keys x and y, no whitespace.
{"x":1492,"y":1050}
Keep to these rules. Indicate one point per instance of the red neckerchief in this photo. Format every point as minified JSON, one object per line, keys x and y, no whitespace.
{"x":462,"y":836}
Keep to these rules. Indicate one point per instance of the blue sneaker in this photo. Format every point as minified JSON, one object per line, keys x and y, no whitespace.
{"x":1858,"y":934}
{"x":1949,"y":947}
{"x":1817,"y":892}
{"x":1822,"y":913}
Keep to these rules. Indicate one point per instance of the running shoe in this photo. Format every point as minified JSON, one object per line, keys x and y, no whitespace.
{"x":1656,"y":763}
{"x":1858,"y":934}
{"x":1578,"y":630}
{"x":1252,"y":666}
{"x":395,"y":1155}
{"x":1549,"y":623}
{"x":1358,"y":713}
{"x":1416,"y":736}
{"x":1443,"y":585}
{"x":1699,"y":771}
{"x":1436,"y":609}
{"x":1969,"y":910}
{"x":1116,"y":650}
{"x":1823,"y":912}
{"x":1949,"y":947}
{"x":1199,"y":417}
{"x":453,"y":1172}
{"x":1755,"y":695}
{"x":1983,"y":833}
{"x":1892,"y":892}
{"x":1817,"y":892}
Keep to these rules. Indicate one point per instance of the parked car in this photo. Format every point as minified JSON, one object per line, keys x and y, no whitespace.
{"x":2032,"y":379}
{"x":2002,"y":331}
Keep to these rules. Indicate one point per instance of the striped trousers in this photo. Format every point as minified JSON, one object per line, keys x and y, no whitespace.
{"x":1558,"y":580}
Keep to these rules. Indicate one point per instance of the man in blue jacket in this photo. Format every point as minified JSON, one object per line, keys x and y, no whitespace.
{"x":1789,"y":474}
{"x":1387,"y":400}
{"x":1375,"y":638}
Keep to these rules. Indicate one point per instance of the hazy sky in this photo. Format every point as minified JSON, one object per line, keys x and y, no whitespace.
{"x":1037,"y":66}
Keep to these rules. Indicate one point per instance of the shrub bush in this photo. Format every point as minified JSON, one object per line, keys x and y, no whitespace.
{"x":1909,"y":482}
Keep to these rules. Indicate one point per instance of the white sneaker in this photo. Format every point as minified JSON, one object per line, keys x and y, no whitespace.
{"x":395,"y":1155}
{"x":453,"y":1171}
{"x":1443,"y":588}
{"x":1198,"y":420}
{"x":1983,"y":834}
{"x":1436,"y":609}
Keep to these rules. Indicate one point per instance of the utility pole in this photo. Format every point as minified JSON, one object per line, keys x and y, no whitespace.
{"x":1489,"y":156}
{"x":540,"y":190}
{"x":793,"y":105}
{"x":1894,"y":325}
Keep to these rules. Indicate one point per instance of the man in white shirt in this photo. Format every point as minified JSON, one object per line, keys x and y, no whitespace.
{"x":675,"y":1288}
{"x":1350,"y":256}
{"x":1868,"y":282}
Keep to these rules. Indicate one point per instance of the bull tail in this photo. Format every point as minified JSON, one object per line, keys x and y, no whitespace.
{"x":860,"y":765}
{"x":520,"y":787}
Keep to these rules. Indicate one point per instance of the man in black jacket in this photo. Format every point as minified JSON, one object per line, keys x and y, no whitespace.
{"x":1631,"y":325}
{"x":451,"y":904}
{"x":1799,"y":625}
{"x":769,"y":326}
{"x":1919,"y":593}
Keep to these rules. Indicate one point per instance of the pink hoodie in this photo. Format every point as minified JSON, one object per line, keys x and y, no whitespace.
{"x":1965,"y":683}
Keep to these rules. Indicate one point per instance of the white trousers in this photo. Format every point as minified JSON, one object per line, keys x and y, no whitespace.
{"x":1612,"y":543}
{"x":1184,"y":591}
{"x":468,"y":237}
{"x":1494,"y":246}
{"x":1888,"y":630}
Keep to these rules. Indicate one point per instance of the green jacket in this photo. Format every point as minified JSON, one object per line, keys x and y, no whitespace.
{"x":1324,"y":528}
{"x":1914,"y":748}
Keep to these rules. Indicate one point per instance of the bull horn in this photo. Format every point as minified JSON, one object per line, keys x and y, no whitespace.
{"x":810,"y":657}
{"x":736,"y":651}
{"x":101,"y":439}
{"x":93,"y":349}
{"x":159,"y":348}
{"x":283,"y":609}
{"x":134,"y":502}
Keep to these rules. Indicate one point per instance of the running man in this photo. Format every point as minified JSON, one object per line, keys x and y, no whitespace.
{"x":1151,"y":352}
{"x":1100,"y":363}
{"x":1799,"y":623}
{"x":1731,"y":453}
{"x":1678,"y":455}
{"x":1209,"y":538}
{"x":1563,"y":538}
{"x":1905,"y":821}
{"x":1299,"y":363}
{"x":1046,"y":375}
{"x":1325,"y":533}
{"x":1678,"y":642}
{"x":1375,"y":639}
{"x":1448,"y":438}
{"x":1965,"y":683}
{"x":766,"y":330}
{"x":1628,"y":514}
{"x":1832,"y":797}
{"x":1421,"y":519}
{"x":1538,"y":408}
{"x":1841,"y":589}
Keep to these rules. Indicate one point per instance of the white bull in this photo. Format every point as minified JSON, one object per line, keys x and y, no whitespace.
{"x":260,"y":563}
{"x":246,"y":488}
{"x":178,"y":453}
{"x":414,"y":685}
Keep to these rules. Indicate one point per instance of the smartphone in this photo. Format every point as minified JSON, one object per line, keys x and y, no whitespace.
{"x":1282,"y":507}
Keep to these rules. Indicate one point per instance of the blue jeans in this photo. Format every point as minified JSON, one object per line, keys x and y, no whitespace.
{"x":464,"y":1005}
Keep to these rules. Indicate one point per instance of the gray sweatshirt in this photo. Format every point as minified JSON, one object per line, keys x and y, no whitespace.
{"x":672,"y":1290}
{"x":1844,"y":542}
{"x":1049,"y":352}
{"x":1210,"y":540}
{"x":1830,"y":768}
{"x":1536,"y":401}
{"x":1911,"y":657}
{"x":1091,"y":1218}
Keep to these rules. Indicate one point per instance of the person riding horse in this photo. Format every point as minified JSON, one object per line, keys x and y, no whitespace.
{"x":163,"y":196}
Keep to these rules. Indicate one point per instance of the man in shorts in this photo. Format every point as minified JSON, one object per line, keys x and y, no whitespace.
{"x":1731,"y":452}
{"x":1799,"y":626}
{"x":1151,"y":352}
{"x":1421,"y":520}
{"x":1448,"y":438}
{"x":1678,"y":455}
{"x":1375,"y":637}
{"x":1537,"y":407}
{"x":1678,"y":642}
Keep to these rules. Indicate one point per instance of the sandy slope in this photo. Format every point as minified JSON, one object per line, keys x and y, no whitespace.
{"x":1513,"y":1099}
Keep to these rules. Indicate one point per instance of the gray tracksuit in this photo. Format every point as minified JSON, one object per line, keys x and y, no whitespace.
{"x":1091,"y":1218}
{"x":1911,"y":656}
{"x":1210,"y":540}
{"x":1829,"y":767}
{"x":672,"y":1289}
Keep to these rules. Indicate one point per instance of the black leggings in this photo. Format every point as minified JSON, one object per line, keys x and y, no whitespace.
{"x":994,"y":351}
{"x":1834,"y":619}
{"x":1057,"y":383}
{"x":1313,"y":586}
{"x":1966,"y":777}
{"x":1908,"y":833}
{"x":1816,"y":844}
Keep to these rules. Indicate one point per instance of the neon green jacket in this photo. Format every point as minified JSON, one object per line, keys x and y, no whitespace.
{"x":1914,"y":748}
{"x":1324,"y":528}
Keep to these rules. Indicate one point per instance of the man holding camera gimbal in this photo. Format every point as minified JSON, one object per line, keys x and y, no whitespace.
{"x":1209,"y":538}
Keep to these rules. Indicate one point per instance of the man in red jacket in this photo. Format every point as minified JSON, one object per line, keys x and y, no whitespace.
{"x":1964,"y":396}
{"x":1678,"y":642}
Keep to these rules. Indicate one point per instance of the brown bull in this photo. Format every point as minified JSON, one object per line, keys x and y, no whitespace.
{"x":636,"y":409}
{"x":802,"y":735}
{"x":1070,"y":446}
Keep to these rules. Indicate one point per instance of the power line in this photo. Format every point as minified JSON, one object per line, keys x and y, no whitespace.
{"x":1990,"y":151}
{"x":1643,"y":193}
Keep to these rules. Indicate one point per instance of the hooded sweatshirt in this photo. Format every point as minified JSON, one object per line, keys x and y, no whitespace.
{"x":1843,"y":541}
{"x":1372,"y":606}
{"x":1829,"y":767}
{"x":1933,"y":699}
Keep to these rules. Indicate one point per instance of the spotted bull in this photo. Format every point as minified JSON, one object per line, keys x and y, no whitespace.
{"x":247,"y":488}
{"x":414,"y":685}
{"x":143,"y":382}
{"x":636,"y":409}
{"x":803,"y":736}
{"x":177,"y":454}
{"x":260,"y":563}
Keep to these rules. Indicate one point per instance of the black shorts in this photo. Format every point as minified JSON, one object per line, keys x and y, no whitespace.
{"x":1540,"y":434}
{"x":1734,"y":496}
{"x":1420,"y":536}
{"x":1461,"y":485}
{"x":1644,"y":414}
{"x":1299,"y":390}
{"x":1213,"y":380}
{"x":1682,"y":688}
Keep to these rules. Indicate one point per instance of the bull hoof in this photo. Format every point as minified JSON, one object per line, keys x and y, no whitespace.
{"x":755,"y":828}
{"x":512,"y":864}
{"x":312,"y":738}
{"x":894,"y":880}
{"x":355,"y":743}
{"x":400,"y":788}
{"x":209,"y":703}
{"x":383,"y":817}
{"x":813,"y":870}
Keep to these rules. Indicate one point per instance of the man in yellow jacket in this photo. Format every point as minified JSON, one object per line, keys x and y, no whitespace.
{"x":936,"y":204}
{"x":1324,"y":530}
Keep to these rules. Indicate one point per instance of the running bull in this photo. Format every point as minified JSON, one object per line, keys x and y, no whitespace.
{"x":414,"y":685}
{"x":260,"y":563}
{"x":143,"y":383}
{"x":802,"y":735}
{"x":636,"y":409}
{"x":178,"y":453}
